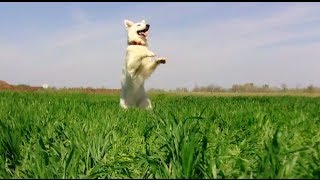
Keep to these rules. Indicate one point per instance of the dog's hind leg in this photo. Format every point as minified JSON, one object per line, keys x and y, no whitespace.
{"x":123,"y":103}
{"x":145,"y":103}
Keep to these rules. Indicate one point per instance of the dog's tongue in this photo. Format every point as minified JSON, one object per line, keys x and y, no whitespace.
{"x":145,"y":33}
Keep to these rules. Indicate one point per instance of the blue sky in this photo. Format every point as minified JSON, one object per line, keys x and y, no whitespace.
{"x":69,"y":44}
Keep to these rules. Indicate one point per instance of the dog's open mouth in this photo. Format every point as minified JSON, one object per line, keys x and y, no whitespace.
{"x":143,"y":32}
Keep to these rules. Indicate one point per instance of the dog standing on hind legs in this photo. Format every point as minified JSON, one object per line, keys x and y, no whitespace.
{"x":139,"y":65}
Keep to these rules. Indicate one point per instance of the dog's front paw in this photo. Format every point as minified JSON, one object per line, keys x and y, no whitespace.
{"x":161,"y":60}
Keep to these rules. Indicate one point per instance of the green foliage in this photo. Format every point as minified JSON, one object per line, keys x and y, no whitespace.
{"x":76,"y":135}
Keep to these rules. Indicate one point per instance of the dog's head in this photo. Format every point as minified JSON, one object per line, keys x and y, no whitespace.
{"x":137,"y":32}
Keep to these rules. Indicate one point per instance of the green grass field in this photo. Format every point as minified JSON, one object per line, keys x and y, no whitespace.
{"x":78,"y":135}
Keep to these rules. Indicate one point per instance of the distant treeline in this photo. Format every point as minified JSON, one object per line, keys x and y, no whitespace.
{"x":247,"y":87}
{"x":241,"y":88}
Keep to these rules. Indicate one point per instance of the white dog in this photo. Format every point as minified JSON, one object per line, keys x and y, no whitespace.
{"x":139,"y":65}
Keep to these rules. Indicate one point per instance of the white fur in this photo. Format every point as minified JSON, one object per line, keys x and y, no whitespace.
{"x":137,"y":68}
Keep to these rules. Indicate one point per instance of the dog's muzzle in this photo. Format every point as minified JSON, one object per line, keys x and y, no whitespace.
{"x":144,"y":31}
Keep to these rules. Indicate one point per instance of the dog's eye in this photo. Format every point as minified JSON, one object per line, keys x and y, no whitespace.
{"x":138,"y":24}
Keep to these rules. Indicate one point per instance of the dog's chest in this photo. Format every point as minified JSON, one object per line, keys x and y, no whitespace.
{"x":137,"y":50}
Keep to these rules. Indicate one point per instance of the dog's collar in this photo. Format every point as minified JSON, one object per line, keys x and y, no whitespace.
{"x":136,"y":43}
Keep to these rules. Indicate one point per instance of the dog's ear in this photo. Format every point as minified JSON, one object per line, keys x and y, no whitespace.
{"x":128,"y":23}
{"x":143,"y":22}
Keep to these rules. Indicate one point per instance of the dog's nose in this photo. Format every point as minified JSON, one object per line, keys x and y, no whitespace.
{"x":148,"y":25}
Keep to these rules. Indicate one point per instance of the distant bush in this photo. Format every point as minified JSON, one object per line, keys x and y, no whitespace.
{"x":210,"y":88}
